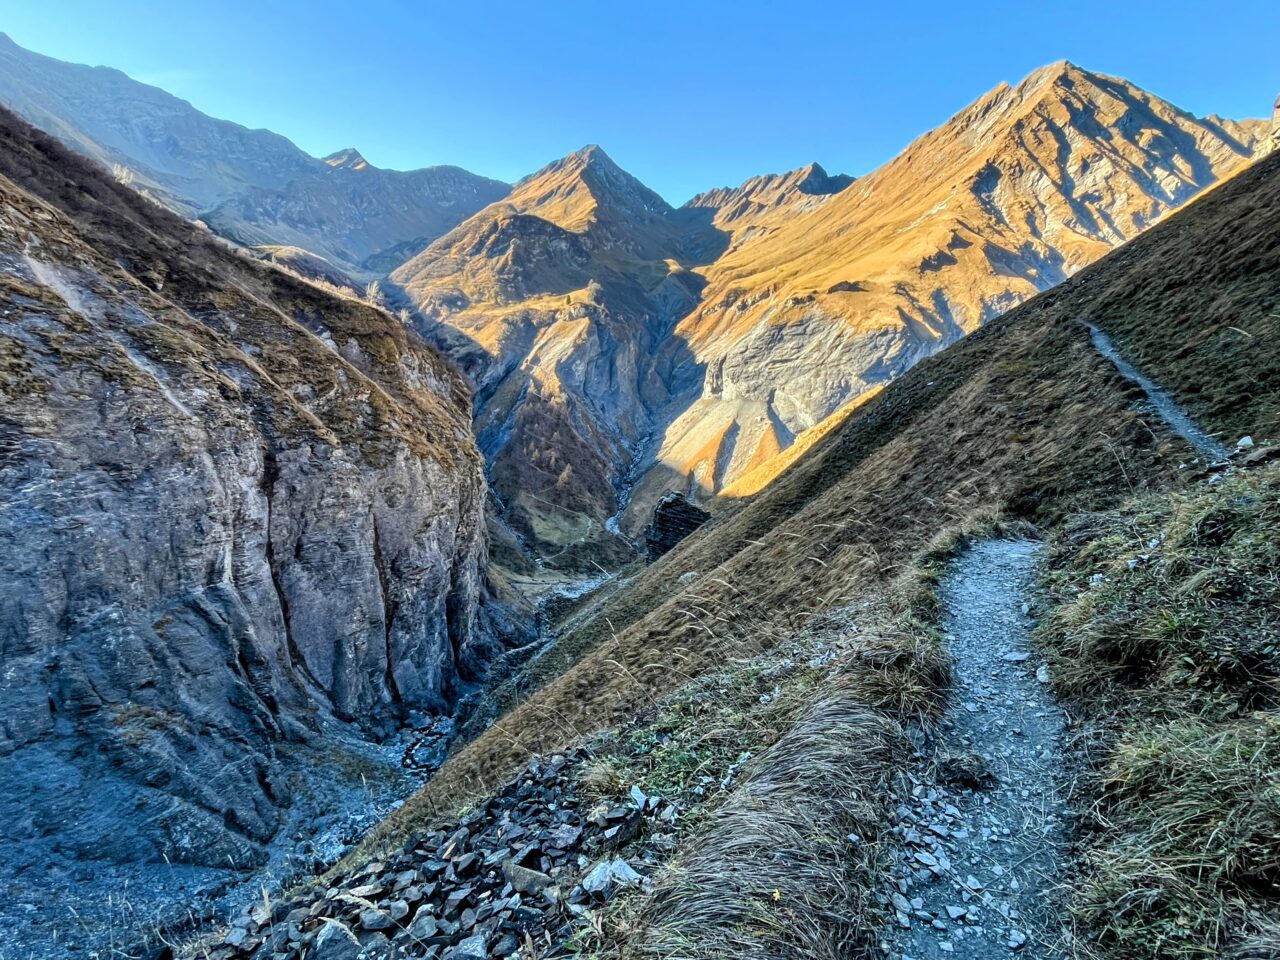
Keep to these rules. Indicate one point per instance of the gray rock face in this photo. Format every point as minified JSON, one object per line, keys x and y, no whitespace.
{"x":364,"y":220}
{"x":233,"y":511}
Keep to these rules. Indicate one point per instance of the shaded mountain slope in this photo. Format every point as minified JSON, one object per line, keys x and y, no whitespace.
{"x":363,"y":219}
{"x":237,"y":516}
{"x":1024,"y":416}
{"x":252,"y":186}
{"x":158,"y":144}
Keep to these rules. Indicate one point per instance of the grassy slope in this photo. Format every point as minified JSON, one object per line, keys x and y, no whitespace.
{"x":1195,"y":305}
{"x":1165,"y":634}
{"x":1023,"y":415}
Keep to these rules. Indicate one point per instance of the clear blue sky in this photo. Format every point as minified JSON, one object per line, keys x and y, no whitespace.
{"x":686,"y":95}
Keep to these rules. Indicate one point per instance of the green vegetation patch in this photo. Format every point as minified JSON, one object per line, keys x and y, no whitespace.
{"x":1167,"y":635}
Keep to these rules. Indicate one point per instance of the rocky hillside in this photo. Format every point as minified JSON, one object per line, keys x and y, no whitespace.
{"x":623,"y":349}
{"x":560,"y":301}
{"x":364,"y":220}
{"x":252,"y":186}
{"x":238,"y":518}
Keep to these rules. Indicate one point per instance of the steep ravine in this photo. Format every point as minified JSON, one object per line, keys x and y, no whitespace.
{"x":242,"y":543}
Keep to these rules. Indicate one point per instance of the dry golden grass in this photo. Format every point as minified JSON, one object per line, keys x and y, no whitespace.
{"x":774,"y":873}
{"x":1195,"y":304}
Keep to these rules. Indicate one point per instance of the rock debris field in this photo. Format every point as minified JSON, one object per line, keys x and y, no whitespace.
{"x":982,"y":817}
{"x":512,"y":876}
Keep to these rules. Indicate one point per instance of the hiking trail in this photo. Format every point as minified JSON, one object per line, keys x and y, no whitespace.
{"x":1164,"y":405}
{"x":982,"y":815}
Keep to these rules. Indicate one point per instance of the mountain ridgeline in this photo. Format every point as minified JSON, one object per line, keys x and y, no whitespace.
{"x":253,"y":186}
{"x":622,"y":349}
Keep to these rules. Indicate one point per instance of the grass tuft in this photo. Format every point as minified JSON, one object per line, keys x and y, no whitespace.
{"x":783,"y":868}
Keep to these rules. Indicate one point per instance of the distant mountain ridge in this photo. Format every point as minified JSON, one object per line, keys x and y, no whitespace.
{"x":622,"y":348}
{"x":363,"y":219}
{"x":749,"y":202}
{"x":158,"y":144}
{"x":252,"y":186}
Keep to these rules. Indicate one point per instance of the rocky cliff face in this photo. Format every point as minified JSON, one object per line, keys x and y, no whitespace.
{"x":234,"y":512}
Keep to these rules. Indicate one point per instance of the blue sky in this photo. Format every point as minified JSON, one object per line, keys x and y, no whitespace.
{"x":685,"y":95}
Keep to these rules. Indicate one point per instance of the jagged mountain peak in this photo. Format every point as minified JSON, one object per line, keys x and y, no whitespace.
{"x":1053,"y":72}
{"x":589,"y":177}
{"x":737,"y":208}
{"x":347,"y":159}
{"x":592,"y":157}
{"x":591,"y":153}
{"x":1047,"y":85}
{"x":814,"y":179}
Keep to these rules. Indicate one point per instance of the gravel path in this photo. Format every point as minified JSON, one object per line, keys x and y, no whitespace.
{"x":982,"y":817}
{"x":1164,"y":405}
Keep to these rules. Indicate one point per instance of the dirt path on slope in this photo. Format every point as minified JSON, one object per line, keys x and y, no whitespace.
{"x":1163,"y":404}
{"x":982,"y":818}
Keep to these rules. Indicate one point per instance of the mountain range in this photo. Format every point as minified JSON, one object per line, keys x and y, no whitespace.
{"x":622,"y":348}
{"x":275,"y":430}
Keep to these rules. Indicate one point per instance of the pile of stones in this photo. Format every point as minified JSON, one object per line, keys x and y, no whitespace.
{"x":512,"y":877}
